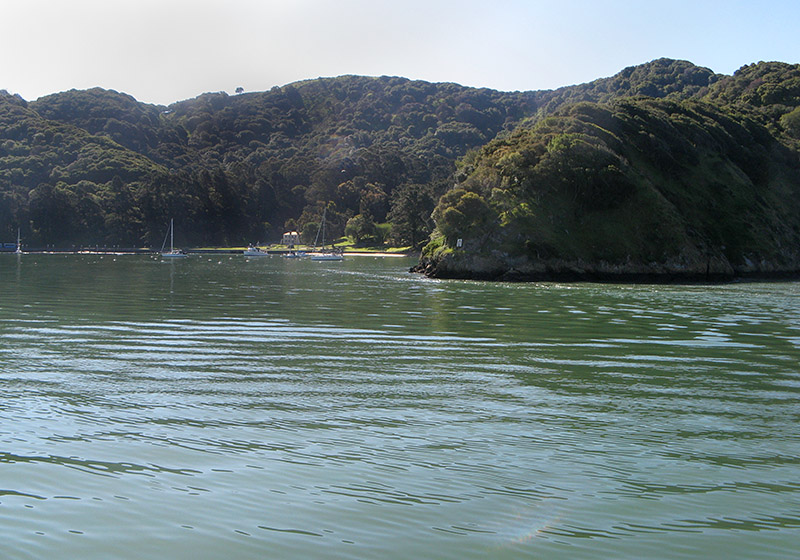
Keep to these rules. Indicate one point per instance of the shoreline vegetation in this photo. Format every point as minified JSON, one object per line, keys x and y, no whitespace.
{"x":273,"y":250}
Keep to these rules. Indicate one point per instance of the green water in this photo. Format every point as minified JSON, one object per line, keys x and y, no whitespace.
{"x":276,"y":408}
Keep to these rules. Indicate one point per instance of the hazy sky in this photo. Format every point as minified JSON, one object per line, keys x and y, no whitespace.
{"x":161,"y":51}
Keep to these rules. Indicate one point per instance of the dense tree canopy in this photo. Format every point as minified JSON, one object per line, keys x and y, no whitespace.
{"x":97,"y":167}
{"x":235,"y":169}
{"x":638,"y":184}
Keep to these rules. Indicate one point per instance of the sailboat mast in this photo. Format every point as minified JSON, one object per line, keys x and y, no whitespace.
{"x":321,"y":229}
{"x":324,"y":211}
{"x":171,"y":236}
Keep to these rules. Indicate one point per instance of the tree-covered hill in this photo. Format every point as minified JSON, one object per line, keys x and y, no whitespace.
{"x":131,"y":124}
{"x":235,"y":169}
{"x":98,"y":167}
{"x":661,"y":78}
{"x":703,"y":187}
{"x":768,"y":92}
{"x":62,"y":180}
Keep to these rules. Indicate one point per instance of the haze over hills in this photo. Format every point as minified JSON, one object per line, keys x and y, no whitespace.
{"x":696,"y":157}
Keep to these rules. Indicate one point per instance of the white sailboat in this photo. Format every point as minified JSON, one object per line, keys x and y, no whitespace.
{"x":19,"y":243}
{"x":173,"y":253}
{"x":255,"y":251}
{"x":322,"y":254}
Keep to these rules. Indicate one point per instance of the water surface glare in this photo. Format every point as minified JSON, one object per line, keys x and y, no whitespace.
{"x":278,"y":408}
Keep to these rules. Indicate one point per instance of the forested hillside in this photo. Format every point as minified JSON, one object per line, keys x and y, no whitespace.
{"x":676,"y":188}
{"x":97,"y":167}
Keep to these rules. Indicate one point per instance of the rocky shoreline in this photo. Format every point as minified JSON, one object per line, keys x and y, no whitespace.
{"x":712,"y":271}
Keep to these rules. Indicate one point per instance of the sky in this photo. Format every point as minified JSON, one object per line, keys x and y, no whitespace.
{"x":163,"y":51}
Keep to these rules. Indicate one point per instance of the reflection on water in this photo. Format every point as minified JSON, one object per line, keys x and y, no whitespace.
{"x":285,"y":408}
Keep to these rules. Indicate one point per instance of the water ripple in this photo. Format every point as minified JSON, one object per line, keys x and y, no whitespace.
{"x":226,"y":409}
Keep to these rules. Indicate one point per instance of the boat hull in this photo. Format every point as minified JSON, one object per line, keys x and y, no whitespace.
{"x":258,"y":253}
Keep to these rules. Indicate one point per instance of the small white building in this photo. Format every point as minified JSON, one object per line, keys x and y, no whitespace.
{"x":290,"y":239}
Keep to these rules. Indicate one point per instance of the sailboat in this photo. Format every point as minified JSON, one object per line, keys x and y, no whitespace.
{"x":19,"y":244}
{"x":322,"y":254}
{"x":255,"y":251}
{"x":173,"y":253}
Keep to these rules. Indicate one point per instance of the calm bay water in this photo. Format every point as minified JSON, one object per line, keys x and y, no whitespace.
{"x":220,"y":408}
